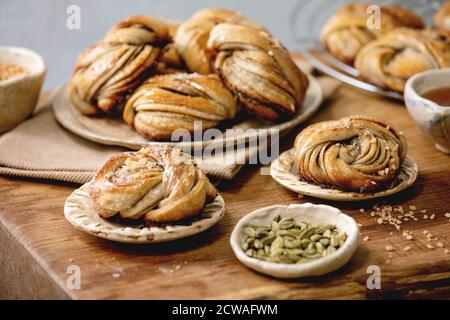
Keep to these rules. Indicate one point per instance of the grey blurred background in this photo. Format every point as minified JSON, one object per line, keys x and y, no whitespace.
{"x":41,"y":24}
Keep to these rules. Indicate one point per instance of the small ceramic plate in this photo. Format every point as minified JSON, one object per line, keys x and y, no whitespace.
{"x":282,"y":171}
{"x":79,"y":211}
{"x":116,"y":132}
{"x":307,"y":212}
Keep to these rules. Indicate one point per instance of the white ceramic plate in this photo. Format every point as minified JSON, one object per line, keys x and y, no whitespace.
{"x":307,"y":212}
{"x":282,"y":171}
{"x":116,"y":132}
{"x":80,"y":212}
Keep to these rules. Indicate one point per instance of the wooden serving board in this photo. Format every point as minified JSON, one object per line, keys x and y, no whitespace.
{"x":38,"y":245}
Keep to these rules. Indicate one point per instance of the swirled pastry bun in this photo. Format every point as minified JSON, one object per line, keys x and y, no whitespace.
{"x":259,"y":71}
{"x":347,"y":31}
{"x":157,"y":183}
{"x":391,"y":59}
{"x":166,"y":103}
{"x":192,"y":36}
{"x":356,"y":153}
{"x":108,"y":71}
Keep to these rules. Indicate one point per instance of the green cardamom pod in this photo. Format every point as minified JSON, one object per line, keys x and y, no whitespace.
{"x":331,"y":250}
{"x":303,"y":225}
{"x":287,"y":241}
{"x":275,"y":226}
{"x":325,"y":242}
{"x":286,"y":223}
{"x":249,"y":231}
{"x":295,"y":233}
{"x":319,"y":247}
{"x":327,"y":233}
{"x":324,"y":228}
{"x":268,"y":240}
{"x":291,"y":244}
{"x":334,"y":240}
{"x":305,"y":243}
{"x":308,"y":233}
{"x":285,"y":259}
{"x":277,"y":246}
{"x":249,"y":240}
{"x":258,"y":244}
{"x":249,"y":252}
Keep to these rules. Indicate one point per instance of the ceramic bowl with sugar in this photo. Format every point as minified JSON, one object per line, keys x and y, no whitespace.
{"x":19,"y":91}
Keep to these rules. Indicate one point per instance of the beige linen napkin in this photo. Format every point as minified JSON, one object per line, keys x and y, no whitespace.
{"x":40,"y":148}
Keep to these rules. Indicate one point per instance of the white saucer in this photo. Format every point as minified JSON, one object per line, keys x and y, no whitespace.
{"x":79,"y":211}
{"x":282,"y":171}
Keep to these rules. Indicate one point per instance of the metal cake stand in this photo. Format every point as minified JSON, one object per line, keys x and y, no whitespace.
{"x":306,"y":21}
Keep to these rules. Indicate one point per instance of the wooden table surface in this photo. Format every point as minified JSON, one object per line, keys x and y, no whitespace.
{"x":38,"y":245}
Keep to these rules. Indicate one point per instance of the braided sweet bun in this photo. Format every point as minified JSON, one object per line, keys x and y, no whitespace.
{"x":346,"y":32}
{"x":259,"y":71}
{"x":166,"y":103}
{"x":106,"y":72}
{"x":442,"y":18}
{"x":170,"y":60}
{"x":192,"y":36}
{"x":157,"y":183}
{"x":390,"y":60}
{"x":354,"y":153}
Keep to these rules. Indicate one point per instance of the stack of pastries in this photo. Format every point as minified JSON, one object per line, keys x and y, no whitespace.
{"x":389,"y":53}
{"x":160,"y":76}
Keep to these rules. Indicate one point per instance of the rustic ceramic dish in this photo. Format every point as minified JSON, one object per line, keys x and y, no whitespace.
{"x":19,"y":94}
{"x":282,"y":171}
{"x":116,"y":132}
{"x":80,"y":212}
{"x":431,"y":117}
{"x":307,"y":212}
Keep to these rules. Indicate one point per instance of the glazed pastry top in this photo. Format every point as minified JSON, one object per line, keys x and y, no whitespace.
{"x":259,"y":70}
{"x":354,"y":153}
{"x":347,"y":30}
{"x":166,"y":103}
{"x":192,"y":36}
{"x":106,"y":72}
{"x":156,"y":183}
{"x":390,"y":60}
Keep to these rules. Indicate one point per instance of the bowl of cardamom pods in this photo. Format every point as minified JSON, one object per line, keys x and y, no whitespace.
{"x":296,"y":240}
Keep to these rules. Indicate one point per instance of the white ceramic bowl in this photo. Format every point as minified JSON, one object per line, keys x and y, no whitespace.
{"x":432,"y":118}
{"x":307,"y":212}
{"x":19,"y":95}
